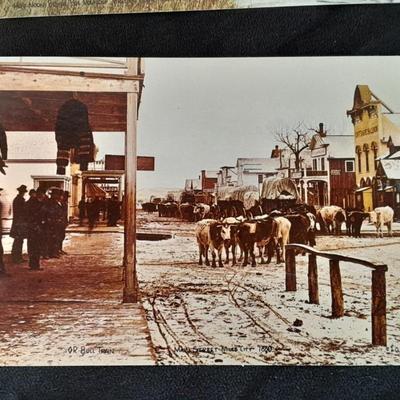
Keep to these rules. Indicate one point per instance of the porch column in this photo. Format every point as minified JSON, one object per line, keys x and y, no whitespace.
{"x":131,"y":288}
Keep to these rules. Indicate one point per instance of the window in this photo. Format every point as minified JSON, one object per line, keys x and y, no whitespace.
{"x":349,"y":167}
{"x":315,"y":164}
{"x":322,"y":164}
{"x":358,"y":151}
{"x":374,"y":148}
{"x":366,"y":150}
{"x":260,"y":178}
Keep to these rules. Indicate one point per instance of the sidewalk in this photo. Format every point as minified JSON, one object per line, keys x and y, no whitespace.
{"x":71,"y":313}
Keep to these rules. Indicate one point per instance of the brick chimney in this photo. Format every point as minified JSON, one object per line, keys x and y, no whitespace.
{"x":321,"y":131}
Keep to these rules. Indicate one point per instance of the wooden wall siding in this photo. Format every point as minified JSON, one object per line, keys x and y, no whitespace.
{"x":37,"y":111}
{"x":342,"y":185}
{"x":343,"y":181}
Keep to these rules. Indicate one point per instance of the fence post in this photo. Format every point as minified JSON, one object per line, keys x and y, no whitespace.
{"x":336,"y":289}
{"x":379,"y":307}
{"x":290,"y":264}
{"x":313,"y":292}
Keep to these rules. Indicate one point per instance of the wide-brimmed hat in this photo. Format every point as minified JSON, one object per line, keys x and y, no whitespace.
{"x":22,"y":188}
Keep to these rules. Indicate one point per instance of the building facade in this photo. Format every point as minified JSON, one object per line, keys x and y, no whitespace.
{"x":374,"y":125}
{"x":331,"y":178}
{"x":388,"y":179}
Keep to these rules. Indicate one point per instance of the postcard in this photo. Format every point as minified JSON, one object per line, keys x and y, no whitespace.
{"x":32,"y":8}
{"x":214,"y":211}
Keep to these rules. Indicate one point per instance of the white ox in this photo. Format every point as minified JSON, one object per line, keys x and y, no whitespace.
{"x":382,"y":216}
{"x":331,"y":217}
{"x":201,"y":210}
{"x":279,"y":238}
{"x":213,"y":235}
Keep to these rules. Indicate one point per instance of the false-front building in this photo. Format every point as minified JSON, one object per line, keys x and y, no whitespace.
{"x":374,"y":125}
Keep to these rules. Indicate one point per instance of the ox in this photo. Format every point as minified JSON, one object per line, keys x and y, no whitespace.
{"x":234,"y":241}
{"x":186,"y":211}
{"x":201,"y":211}
{"x":331,"y":219}
{"x":301,"y":231}
{"x":213,"y":235}
{"x":269,"y":233}
{"x":354,"y":220}
{"x":382,"y":216}
{"x":169,"y":209}
{"x":149,"y":207}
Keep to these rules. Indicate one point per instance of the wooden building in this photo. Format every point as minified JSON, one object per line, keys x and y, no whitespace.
{"x":33,"y":90}
{"x":387,"y":180}
{"x":208,"y":180}
{"x":374,"y":123}
{"x":328,"y":175}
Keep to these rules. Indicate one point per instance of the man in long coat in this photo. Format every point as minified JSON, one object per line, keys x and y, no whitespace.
{"x":19,"y":225}
{"x":35,"y":220}
{"x":53,"y":216}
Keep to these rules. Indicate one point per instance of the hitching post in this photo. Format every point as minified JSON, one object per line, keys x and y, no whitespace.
{"x":379,"y":306}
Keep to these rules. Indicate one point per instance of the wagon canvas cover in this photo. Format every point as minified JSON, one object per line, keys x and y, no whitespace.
{"x":279,"y":189}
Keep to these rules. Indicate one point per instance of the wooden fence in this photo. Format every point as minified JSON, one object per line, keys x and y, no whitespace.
{"x":378,"y":310}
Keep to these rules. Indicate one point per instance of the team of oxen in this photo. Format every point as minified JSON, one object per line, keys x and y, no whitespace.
{"x":269,"y":233}
{"x":195,"y":212}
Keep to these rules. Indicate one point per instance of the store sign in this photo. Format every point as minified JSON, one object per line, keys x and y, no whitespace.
{"x":368,"y":131}
{"x":336,"y":171}
{"x":297,"y":175}
{"x":117,"y":163}
{"x":319,"y":152}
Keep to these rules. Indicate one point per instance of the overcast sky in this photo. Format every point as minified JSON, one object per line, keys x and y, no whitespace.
{"x":205,"y":113}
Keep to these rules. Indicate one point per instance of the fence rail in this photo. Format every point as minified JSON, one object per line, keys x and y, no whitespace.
{"x":378,"y":309}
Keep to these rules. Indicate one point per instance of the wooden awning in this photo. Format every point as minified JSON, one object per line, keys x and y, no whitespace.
{"x":37,"y":111}
{"x":92,"y":190}
{"x":30,"y":99}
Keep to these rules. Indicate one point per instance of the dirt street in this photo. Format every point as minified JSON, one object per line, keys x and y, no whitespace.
{"x":201,"y":315}
{"x":191,"y":314}
{"x":71,"y":312}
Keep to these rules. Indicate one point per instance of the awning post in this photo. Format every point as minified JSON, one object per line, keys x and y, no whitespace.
{"x":131,"y":288}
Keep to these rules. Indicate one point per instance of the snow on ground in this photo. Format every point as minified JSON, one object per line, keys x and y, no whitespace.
{"x":235,"y":315}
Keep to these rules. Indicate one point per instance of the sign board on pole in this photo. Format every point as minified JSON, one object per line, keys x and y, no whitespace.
{"x":117,"y":163}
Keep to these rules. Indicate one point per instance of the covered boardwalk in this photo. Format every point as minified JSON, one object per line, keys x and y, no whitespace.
{"x":31,"y":94}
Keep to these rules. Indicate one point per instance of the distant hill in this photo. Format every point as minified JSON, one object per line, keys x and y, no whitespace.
{"x":144,"y":194}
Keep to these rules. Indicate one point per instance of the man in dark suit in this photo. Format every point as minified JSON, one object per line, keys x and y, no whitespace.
{"x":35,"y":220}
{"x":19,"y":226}
{"x":53,"y":217}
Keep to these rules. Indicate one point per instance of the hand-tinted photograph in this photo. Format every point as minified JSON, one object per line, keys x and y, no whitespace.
{"x":214,"y":211}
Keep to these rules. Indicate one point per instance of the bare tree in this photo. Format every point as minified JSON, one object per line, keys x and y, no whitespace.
{"x":296,"y":140}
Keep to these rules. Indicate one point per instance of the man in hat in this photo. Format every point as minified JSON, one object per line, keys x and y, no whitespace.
{"x":2,"y":266}
{"x":34,"y":216}
{"x":53,"y":217}
{"x":19,"y":227}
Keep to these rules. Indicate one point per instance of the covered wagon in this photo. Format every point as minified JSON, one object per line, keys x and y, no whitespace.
{"x":242,"y":200}
{"x":279,"y":193}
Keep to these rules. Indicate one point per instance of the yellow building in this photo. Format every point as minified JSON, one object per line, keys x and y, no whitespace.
{"x":372,"y":130}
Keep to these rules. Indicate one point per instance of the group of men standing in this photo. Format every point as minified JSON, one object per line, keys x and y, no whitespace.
{"x":42,"y":220}
{"x":93,"y":208}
